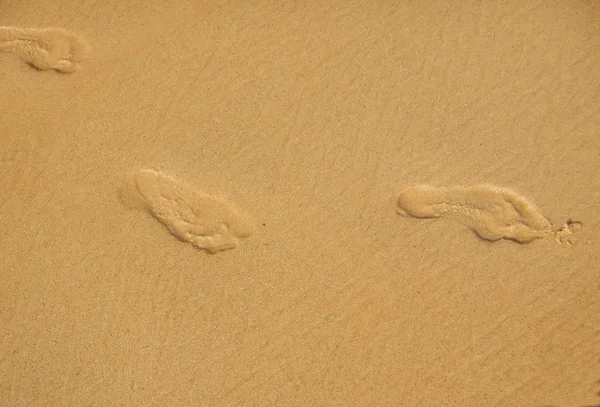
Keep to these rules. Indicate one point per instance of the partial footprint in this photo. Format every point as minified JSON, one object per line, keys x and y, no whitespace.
{"x":208,"y":222}
{"x":567,"y":233}
{"x":492,"y":212}
{"x":45,"y":48}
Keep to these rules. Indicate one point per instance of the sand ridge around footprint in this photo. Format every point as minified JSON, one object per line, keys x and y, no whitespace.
{"x":492,"y":212}
{"x":207,"y":222}
{"x":45,"y":48}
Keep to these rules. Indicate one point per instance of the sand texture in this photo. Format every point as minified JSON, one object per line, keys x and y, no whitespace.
{"x":287,"y":203}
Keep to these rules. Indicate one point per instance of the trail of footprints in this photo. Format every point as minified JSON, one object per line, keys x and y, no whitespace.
{"x":214,"y":224}
{"x":45,"y":48}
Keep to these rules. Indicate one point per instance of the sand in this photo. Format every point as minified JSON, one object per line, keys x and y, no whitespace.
{"x":326,"y":203}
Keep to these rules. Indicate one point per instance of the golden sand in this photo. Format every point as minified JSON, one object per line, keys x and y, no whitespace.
{"x":267,"y":149}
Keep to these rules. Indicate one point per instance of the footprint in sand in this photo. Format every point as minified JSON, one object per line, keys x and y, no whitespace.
{"x":208,"y":222}
{"x":45,"y":48}
{"x":493,"y":213}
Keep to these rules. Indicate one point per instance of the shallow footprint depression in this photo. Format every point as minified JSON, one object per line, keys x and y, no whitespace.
{"x":208,"y":222}
{"x":45,"y":48}
{"x":492,"y":212}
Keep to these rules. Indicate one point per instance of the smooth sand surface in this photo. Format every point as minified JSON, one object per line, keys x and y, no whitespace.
{"x":202,"y":203}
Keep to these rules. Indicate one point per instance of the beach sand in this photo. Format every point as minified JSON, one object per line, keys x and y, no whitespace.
{"x":324,"y":203}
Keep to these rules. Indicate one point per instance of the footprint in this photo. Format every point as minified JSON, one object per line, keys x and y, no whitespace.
{"x":493,"y":213}
{"x":567,"y":233}
{"x":208,"y":222}
{"x":45,"y":48}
